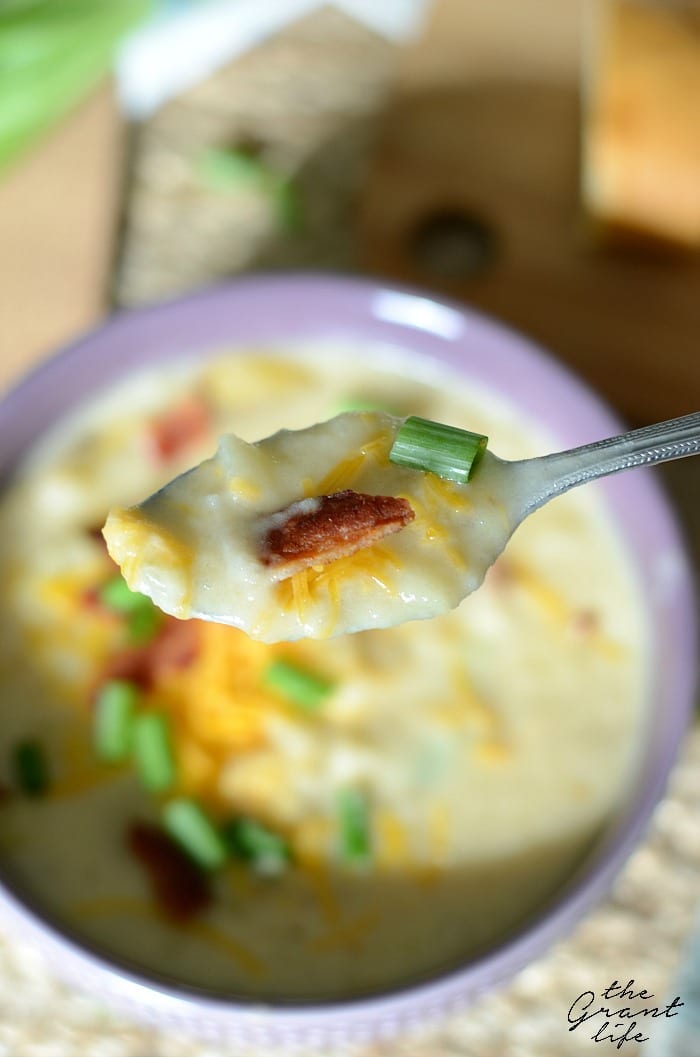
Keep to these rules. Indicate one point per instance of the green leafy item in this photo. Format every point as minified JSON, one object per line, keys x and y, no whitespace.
{"x":152,"y":750}
{"x":143,"y":618}
{"x":354,"y":822}
{"x":189,"y":825}
{"x":232,"y":168}
{"x":301,"y":687}
{"x":30,"y":767}
{"x":52,"y":54}
{"x":266,"y":851}
{"x":115,"y":711}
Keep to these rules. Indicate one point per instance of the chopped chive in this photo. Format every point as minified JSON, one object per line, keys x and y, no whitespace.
{"x":231,"y":168}
{"x":300,"y":686}
{"x":435,"y":448}
{"x":117,"y":595}
{"x":143,"y":618}
{"x":354,"y":822}
{"x":115,"y":708}
{"x":196,"y":834}
{"x":152,"y":751}
{"x":227,"y":168}
{"x":144,"y":623}
{"x":266,"y":851}
{"x":30,"y":768}
{"x":51,"y":56}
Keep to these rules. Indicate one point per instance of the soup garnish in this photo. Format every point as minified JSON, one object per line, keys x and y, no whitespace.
{"x":320,"y":531}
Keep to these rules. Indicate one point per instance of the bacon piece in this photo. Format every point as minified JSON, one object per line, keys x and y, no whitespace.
{"x":132,"y":664}
{"x":585,"y":622}
{"x":174,"y":648}
{"x":178,"y":428}
{"x":179,"y":886}
{"x":90,"y":599}
{"x":320,"y":530}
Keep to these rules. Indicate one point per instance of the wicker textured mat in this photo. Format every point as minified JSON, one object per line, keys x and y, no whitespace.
{"x":641,"y":932}
{"x":259,"y":166}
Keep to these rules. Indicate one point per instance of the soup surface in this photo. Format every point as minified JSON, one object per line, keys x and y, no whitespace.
{"x":376,"y":805}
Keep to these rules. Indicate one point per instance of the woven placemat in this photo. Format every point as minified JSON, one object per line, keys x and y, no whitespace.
{"x":260,"y":165}
{"x":640,"y":932}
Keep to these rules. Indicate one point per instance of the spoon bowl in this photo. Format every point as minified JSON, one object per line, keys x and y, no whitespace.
{"x":200,"y":547}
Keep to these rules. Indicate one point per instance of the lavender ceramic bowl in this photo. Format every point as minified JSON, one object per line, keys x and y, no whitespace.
{"x":284,"y":309}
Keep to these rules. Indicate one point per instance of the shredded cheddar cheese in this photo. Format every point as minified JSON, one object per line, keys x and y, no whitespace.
{"x":243,"y":488}
{"x":145,"y":542}
{"x":218,"y":704}
{"x":345,"y":473}
{"x":392,"y":840}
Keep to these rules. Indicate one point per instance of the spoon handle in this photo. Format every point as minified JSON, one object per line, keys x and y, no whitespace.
{"x":557,"y":473}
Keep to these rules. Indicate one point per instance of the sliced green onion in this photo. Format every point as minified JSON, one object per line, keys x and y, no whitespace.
{"x":232,"y":168}
{"x":143,"y":618}
{"x":435,"y":448}
{"x":153,"y":752}
{"x":354,"y":822}
{"x":248,"y":839}
{"x":227,"y":168}
{"x":51,"y":56}
{"x":303,"y":688}
{"x":117,"y":595}
{"x":30,"y":768}
{"x":196,"y":834}
{"x":144,"y":624}
{"x":115,"y":709}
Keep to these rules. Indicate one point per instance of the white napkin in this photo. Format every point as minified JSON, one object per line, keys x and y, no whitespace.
{"x":182,"y":46}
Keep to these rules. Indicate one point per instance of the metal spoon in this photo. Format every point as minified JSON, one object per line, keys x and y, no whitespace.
{"x":226,"y":575}
{"x":534,"y":482}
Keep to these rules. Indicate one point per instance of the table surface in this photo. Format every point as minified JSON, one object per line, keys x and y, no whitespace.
{"x":483,"y":123}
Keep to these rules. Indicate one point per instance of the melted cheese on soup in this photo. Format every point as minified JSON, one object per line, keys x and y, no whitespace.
{"x":195,"y":547}
{"x":480,"y":752}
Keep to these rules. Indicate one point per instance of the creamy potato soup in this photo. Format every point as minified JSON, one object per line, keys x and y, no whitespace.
{"x":314,"y":818}
{"x":212,"y":543}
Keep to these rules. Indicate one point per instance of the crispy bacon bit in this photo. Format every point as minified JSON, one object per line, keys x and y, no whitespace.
{"x":178,"y":428}
{"x":585,"y":622}
{"x":90,"y":599}
{"x":501,"y":574}
{"x":317,"y":531}
{"x":174,"y":648}
{"x":179,"y":886}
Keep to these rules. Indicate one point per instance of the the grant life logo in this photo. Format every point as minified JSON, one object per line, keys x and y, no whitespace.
{"x":618,"y":1014}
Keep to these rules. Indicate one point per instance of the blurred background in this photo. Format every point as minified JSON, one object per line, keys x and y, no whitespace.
{"x":537,"y":159}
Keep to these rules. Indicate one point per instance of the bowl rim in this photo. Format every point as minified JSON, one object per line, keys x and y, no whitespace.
{"x":318,"y":305}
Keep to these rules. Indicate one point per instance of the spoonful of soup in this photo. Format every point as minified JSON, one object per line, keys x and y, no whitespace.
{"x":363,"y":521}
